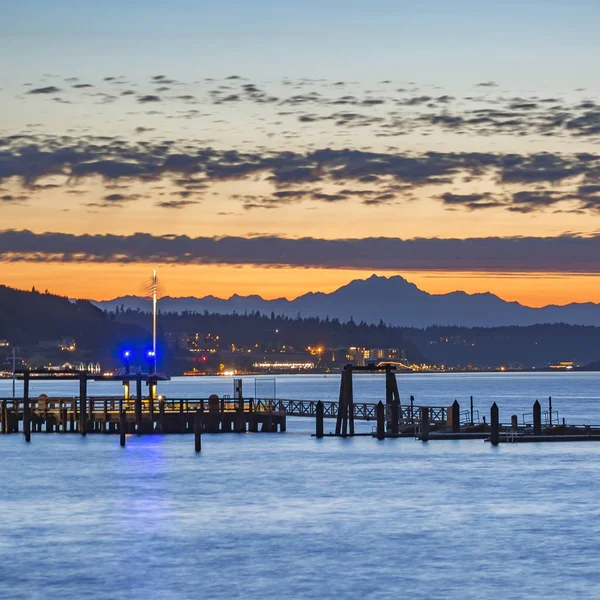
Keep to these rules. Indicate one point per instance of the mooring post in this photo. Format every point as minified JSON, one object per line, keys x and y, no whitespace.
{"x":495,"y":425}
{"x":4,"y":417}
{"x":82,"y":403}
{"x":471,"y":410}
{"x":424,"y":423}
{"x":537,"y":418}
{"x":341,"y":407}
{"x":26,"y":408}
{"x":122,"y":424}
{"x":514,"y":422}
{"x":455,"y":417}
{"x":350,"y":400}
{"x":380,"y":413}
{"x":181,"y":417}
{"x":27,"y":419}
{"x":138,"y":403}
{"x":412,"y":410}
{"x":319,"y":415}
{"x":395,"y":409}
{"x":198,"y":430}
{"x":550,"y":410}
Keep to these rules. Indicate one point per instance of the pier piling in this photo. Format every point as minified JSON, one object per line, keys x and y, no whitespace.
{"x":455,"y":417}
{"x":495,"y":425}
{"x":122,"y":425}
{"x":319,"y":413}
{"x":537,"y":418}
{"x":380,"y":412}
{"x":424,"y":423}
{"x":27,"y":420}
{"x":198,"y":430}
{"x":82,"y":404}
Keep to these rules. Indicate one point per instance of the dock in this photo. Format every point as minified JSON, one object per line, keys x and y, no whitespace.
{"x":136,"y":413}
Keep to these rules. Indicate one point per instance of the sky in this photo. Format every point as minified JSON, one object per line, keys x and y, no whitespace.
{"x":276,"y":148}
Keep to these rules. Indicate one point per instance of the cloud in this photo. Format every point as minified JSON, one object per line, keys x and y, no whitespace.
{"x":149,"y":98}
{"x":561,"y":254}
{"x":45,"y":90}
{"x":541,"y":179}
{"x":176,"y":204}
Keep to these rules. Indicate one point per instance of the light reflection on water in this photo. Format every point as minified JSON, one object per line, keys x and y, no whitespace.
{"x":288,"y":516}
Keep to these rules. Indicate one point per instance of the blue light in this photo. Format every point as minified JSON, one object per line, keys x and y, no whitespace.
{"x":151,"y":354}
{"x":127,"y":354}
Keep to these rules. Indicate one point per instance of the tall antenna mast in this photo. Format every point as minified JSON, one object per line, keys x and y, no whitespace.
{"x":154,"y":307}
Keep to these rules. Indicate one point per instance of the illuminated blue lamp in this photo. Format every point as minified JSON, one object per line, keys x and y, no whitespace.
{"x":127,"y":354}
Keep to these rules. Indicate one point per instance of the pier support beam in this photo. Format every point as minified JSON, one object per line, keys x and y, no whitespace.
{"x":380,"y":413}
{"x":495,"y":425}
{"x":138,"y":403}
{"x":456,"y":417}
{"x":319,"y":424}
{"x":537,"y":418}
{"x":82,"y":403}
{"x":122,"y":425}
{"x":392,"y":400}
{"x":27,"y":419}
{"x":198,"y":430}
{"x":161,"y":415}
{"x":4,"y":417}
{"x":424,"y":423}
{"x":26,"y":409}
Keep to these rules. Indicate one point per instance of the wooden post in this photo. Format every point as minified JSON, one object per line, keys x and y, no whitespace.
{"x":122,"y":424}
{"x":495,"y":425}
{"x":27,"y":419}
{"x":105,"y":417}
{"x":198,"y":430}
{"x":350,"y":399}
{"x":392,"y":399}
{"x":456,"y":417}
{"x":514,"y":422}
{"x":4,"y":417}
{"x":161,"y":414}
{"x":344,"y":404}
{"x":64,"y":417}
{"x":424,"y":423}
{"x":471,"y":409}
{"x":412,"y":409}
{"x":537,"y":418}
{"x":82,"y":403}
{"x":395,"y":416}
{"x":319,"y":419}
{"x":550,"y":411}
{"x":138,"y":403}
{"x":380,"y":413}
{"x":181,"y":418}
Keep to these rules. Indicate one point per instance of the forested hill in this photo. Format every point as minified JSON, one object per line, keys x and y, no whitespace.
{"x":28,"y":318}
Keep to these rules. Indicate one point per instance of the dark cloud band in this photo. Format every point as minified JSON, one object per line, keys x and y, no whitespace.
{"x":562,"y":254}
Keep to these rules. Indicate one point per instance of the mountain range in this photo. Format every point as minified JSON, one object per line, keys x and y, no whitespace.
{"x":393,"y":300}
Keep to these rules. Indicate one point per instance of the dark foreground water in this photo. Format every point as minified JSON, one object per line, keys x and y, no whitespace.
{"x":288,"y":516}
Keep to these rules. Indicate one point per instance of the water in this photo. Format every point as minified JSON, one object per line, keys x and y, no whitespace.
{"x":289,"y":516}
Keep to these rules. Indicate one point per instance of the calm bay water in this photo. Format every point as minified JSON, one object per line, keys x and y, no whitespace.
{"x":288,"y":516}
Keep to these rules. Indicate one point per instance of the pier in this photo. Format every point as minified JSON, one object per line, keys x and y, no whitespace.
{"x":146,"y":414}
